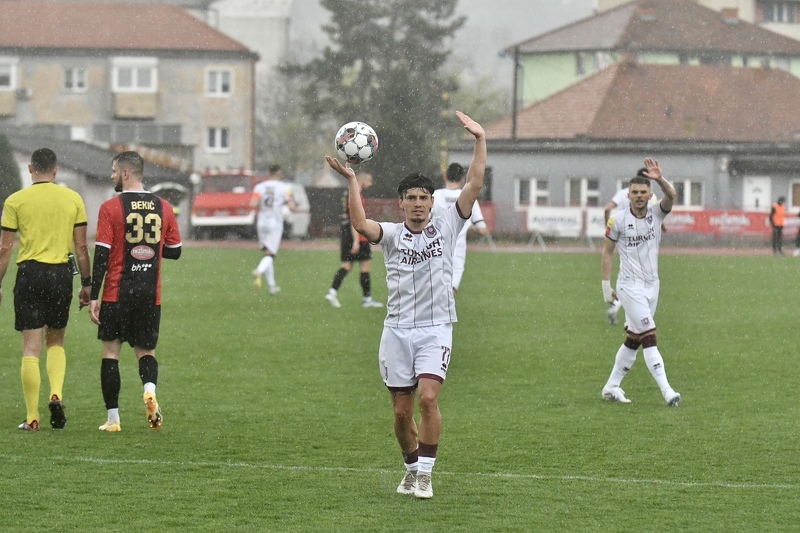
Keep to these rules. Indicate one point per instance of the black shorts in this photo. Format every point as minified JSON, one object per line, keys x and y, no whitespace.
{"x":42,"y":295}
{"x":364,"y":251}
{"x":136,"y":322}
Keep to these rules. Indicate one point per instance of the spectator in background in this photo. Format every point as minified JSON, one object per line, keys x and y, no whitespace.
{"x":777,"y":219}
{"x":797,"y":242}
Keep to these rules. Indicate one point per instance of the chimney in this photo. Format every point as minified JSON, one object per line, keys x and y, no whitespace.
{"x":646,"y":13}
{"x":730,"y":15}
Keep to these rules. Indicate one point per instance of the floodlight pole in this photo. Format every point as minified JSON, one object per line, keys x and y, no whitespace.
{"x":515,"y":97}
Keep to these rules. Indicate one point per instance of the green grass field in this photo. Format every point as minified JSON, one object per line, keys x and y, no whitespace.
{"x":276,"y":418}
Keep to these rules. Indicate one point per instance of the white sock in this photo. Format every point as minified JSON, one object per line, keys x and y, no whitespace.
{"x":426,"y":465}
{"x":113,"y":415}
{"x":271,"y":274}
{"x":333,"y":292}
{"x":622,"y":364}
{"x":655,"y":363}
{"x":412,"y":467}
{"x":150,"y":387}
{"x":264,"y":264}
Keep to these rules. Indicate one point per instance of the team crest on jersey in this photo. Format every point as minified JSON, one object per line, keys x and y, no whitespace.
{"x":142,"y":252}
{"x":430,"y":231}
{"x":649,"y":219}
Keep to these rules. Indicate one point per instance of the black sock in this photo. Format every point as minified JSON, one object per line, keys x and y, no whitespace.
{"x":110,"y":382}
{"x":338,"y":278}
{"x":148,"y":369}
{"x":366,"y":287}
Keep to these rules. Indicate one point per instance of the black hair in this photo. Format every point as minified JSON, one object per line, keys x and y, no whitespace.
{"x":44,"y":160}
{"x":274,"y":168}
{"x":640,"y":180}
{"x":130,"y":160}
{"x":415,"y":180}
{"x":642,"y":172}
{"x":455,"y":173}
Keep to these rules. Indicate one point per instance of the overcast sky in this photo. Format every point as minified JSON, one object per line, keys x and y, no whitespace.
{"x":491,"y":26}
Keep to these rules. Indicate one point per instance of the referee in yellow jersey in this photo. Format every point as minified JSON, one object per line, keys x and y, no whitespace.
{"x":49,"y":219}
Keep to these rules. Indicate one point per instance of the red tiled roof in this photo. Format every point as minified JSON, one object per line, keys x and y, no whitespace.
{"x":631,"y":101}
{"x":30,"y":24}
{"x":662,"y":25}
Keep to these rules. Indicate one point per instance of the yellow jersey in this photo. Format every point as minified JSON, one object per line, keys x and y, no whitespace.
{"x":45,"y":216}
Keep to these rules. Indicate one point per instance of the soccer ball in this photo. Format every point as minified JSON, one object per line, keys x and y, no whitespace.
{"x":356,"y":142}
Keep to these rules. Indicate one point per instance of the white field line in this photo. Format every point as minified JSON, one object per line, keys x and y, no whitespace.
{"x":383,"y":471}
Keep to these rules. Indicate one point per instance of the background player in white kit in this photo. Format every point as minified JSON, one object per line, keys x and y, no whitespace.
{"x":269,"y":197}
{"x":638,"y":232}
{"x":418,"y":329}
{"x":446,"y":197}
{"x":620,"y":201}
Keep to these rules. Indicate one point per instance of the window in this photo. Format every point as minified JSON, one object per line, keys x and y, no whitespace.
{"x":782,"y":12}
{"x":135,"y":75}
{"x":601,"y":60}
{"x":583,"y":192}
{"x":795,"y":200}
{"x":689,"y":193}
{"x":218,"y":82}
{"x":75,"y":80}
{"x":580,"y":65}
{"x":8,"y":73}
{"x":530,"y":191}
{"x":218,"y":140}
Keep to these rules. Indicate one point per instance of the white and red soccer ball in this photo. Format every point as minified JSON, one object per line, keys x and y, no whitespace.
{"x":356,"y":142}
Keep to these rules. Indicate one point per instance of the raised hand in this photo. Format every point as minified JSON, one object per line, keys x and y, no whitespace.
{"x":470,"y":125}
{"x":344,"y":170}
{"x":653,"y":169}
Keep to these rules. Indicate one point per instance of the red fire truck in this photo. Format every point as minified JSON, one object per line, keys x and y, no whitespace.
{"x":221,"y":205}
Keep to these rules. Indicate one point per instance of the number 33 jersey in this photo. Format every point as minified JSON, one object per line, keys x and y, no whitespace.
{"x":135,"y":227}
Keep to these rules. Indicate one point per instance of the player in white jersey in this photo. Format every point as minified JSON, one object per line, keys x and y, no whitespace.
{"x":620,"y":201}
{"x":269,"y":198}
{"x":417,"y":334}
{"x":637,"y":232}
{"x":442,"y":200}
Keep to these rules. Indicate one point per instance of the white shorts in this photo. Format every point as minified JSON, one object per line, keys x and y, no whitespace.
{"x":640,"y":304}
{"x":270,"y":235}
{"x":408,"y":354}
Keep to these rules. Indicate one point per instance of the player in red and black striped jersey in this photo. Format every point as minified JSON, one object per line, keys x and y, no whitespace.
{"x":135,"y":231}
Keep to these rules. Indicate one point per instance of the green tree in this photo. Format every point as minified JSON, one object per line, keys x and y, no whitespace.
{"x":10,"y":180}
{"x":385,"y":67}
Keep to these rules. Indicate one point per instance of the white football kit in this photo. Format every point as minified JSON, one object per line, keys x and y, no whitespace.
{"x":419,"y":270}
{"x":443,"y":199}
{"x":272,"y":195}
{"x":637,"y":241}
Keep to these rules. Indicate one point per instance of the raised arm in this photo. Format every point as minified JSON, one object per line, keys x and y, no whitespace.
{"x":358,"y":218}
{"x":654,"y":173}
{"x":477,"y":167}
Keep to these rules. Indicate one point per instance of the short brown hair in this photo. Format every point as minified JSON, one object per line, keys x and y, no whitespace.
{"x":44,"y":160}
{"x":132,"y":161}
